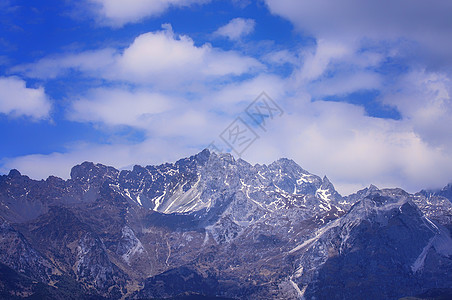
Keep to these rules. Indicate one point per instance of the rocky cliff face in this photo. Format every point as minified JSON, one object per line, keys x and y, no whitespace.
{"x":213,"y":226}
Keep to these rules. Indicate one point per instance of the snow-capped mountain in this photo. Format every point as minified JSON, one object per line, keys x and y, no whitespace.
{"x":205,"y":182}
{"x":213,"y":226}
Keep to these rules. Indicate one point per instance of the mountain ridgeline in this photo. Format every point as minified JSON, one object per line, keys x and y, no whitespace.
{"x":210,"y":226}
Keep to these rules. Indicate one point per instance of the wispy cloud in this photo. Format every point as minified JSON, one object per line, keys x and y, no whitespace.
{"x":236,"y":29}
{"x":93,"y":62}
{"x":116,"y":13}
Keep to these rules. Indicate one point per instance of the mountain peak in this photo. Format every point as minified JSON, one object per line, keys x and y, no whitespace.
{"x":286,"y":161}
{"x":77,"y":170}
{"x":287,"y":165}
{"x":373,"y":188}
{"x":224,"y":156}
{"x":14,"y":173}
{"x":203,"y":156}
{"x":88,"y":171}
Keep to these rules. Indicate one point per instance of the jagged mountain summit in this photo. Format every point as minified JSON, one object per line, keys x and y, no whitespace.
{"x":213,"y":226}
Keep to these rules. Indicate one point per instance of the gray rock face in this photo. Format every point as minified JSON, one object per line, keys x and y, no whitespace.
{"x":215,"y":226}
{"x":19,"y":254}
{"x":381,"y":248}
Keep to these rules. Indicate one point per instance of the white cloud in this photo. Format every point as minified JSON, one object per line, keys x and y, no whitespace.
{"x":234,"y":97}
{"x":118,"y":12}
{"x":315,"y":64}
{"x":330,"y":58}
{"x":236,"y":28}
{"x":334,"y":68}
{"x":18,"y":100}
{"x":93,"y":62}
{"x":424,"y":99}
{"x":241,"y":3}
{"x":116,"y":106}
{"x":346,"y":83}
{"x":160,"y":58}
{"x":281,"y":57}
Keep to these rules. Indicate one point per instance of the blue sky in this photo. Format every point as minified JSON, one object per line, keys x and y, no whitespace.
{"x":364,"y":85}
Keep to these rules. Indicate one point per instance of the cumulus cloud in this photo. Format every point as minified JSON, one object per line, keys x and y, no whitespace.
{"x":159,"y":57}
{"x":170,"y":58}
{"x":236,"y":28}
{"x":118,"y":12}
{"x":17,"y":100}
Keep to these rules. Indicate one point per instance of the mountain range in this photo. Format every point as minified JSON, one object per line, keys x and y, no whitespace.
{"x":213,"y":227}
